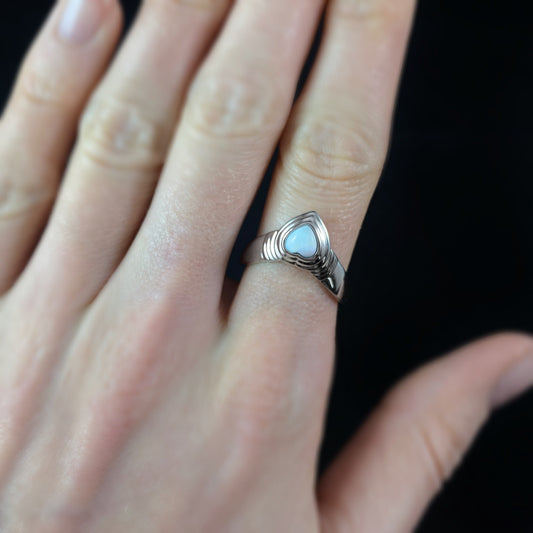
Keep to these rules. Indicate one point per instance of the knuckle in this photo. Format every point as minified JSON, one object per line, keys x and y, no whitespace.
{"x":40,"y":89}
{"x":202,"y":5}
{"x":328,"y":163}
{"x":323,"y":152}
{"x":18,"y":197}
{"x":368,"y":11}
{"x":222,"y":105}
{"x":118,"y":134}
{"x":328,"y":151}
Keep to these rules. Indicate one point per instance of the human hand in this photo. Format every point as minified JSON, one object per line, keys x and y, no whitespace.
{"x":138,"y":394}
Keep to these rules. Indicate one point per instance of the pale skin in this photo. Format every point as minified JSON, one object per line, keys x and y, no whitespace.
{"x":133,"y":396}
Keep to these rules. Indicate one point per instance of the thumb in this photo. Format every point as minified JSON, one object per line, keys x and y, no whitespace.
{"x":389,"y":472}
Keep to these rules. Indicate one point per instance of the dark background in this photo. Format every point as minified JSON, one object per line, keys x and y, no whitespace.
{"x":445,"y":254}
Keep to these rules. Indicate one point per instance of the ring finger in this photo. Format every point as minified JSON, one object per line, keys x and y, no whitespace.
{"x":333,"y":150}
{"x":330,"y":160}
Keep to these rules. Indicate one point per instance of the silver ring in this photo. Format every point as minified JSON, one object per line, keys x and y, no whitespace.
{"x":303,"y":242}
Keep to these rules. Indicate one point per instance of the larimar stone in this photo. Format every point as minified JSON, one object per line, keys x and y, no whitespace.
{"x":302,"y":241}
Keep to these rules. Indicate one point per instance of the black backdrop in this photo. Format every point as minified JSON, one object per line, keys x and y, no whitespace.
{"x":445,"y":254}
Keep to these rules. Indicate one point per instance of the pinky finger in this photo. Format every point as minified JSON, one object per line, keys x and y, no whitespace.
{"x":39,"y":124}
{"x":389,"y":472}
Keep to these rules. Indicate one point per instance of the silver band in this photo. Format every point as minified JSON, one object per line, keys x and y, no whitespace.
{"x":293,"y":244}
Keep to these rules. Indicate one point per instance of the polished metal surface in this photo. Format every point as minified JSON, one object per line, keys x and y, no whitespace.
{"x":323,"y":264}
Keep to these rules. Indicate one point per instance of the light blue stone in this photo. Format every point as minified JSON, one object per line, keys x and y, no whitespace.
{"x":301,"y":241}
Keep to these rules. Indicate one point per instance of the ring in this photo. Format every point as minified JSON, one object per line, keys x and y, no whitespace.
{"x":304,"y":243}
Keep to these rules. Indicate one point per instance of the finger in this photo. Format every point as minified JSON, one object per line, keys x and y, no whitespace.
{"x":108,"y":184}
{"x":39,"y":123}
{"x":235,"y":110}
{"x":398,"y":461}
{"x":331,"y":156}
{"x":124,"y":135}
{"x":333,"y":149}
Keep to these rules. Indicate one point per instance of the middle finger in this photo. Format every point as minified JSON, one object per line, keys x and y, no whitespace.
{"x":232,"y":119}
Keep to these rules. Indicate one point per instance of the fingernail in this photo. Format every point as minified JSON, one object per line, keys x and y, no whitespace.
{"x":80,"y":20}
{"x":517,"y":380}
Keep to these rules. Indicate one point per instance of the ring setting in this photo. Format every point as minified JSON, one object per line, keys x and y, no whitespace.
{"x":304,"y":243}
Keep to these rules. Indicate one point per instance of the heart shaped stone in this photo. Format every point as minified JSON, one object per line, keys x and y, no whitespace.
{"x":302,"y":241}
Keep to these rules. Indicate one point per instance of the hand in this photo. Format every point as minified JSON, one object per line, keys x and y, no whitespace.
{"x":138,"y":392}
